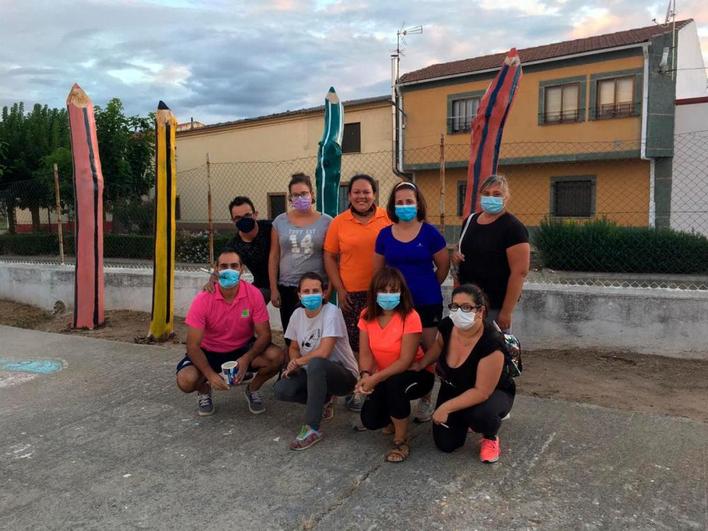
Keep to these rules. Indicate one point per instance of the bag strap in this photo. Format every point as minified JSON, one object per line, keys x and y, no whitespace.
{"x":464,"y":230}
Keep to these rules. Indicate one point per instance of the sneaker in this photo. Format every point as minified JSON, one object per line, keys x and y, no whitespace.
{"x":355,"y":402}
{"x":205,"y":404}
{"x":507,"y":416}
{"x":255,"y":402}
{"x":306,"y":438}
{"x":489,"y":451}
{"x":424,"y":411}
{"x":328,"y":411}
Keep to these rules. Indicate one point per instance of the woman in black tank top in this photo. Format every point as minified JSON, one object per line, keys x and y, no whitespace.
{"x":476,"y":389}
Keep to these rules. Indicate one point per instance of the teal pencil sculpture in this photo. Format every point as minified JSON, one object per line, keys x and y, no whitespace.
{"x":329,"y":156}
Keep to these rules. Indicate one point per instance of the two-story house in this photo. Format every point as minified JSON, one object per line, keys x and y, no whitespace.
{"x":590,"y":133}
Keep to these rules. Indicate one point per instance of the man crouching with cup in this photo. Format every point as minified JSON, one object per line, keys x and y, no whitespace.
{"x":230,"y":324}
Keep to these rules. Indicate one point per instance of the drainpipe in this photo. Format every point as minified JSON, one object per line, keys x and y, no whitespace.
{"x":643,"y":145}
{"x":397,"y":122}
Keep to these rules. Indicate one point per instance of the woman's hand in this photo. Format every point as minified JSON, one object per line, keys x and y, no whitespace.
{"x":457,"y":257}
{"x":344,"y":301}
{"x":440,"y":415}
{"x":504,"y":320}
{"x":275,"y":297}
{"x":366,"y":385}
{"x":293,"y":366}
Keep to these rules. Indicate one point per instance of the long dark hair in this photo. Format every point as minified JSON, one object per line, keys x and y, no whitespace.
{"x":388,"y":276}
{"x":419,"y":199}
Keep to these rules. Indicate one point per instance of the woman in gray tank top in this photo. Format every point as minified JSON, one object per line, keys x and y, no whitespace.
{"x":296,"y":246}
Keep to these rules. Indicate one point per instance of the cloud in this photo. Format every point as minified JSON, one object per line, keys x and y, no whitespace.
{"x":228,"y":59}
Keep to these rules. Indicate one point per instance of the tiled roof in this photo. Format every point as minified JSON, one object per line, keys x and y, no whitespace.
{"x":348,"y":103}
{"x":538,"y":53}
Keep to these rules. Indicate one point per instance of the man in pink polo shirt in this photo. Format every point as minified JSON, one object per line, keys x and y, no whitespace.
{"x":229,"y":324}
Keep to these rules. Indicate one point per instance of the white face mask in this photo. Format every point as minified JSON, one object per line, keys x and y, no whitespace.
{"x":462,"y":320}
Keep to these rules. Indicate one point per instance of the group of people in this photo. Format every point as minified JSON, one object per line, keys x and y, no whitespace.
{"x":385,"y":340}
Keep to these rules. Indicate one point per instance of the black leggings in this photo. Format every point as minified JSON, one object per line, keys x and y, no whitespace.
{"x":484,"y":418}
{"x":392,"y":398}
{"x":289,"y":301}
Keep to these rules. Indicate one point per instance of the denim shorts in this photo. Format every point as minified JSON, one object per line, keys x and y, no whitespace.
{"x":215,"y":359}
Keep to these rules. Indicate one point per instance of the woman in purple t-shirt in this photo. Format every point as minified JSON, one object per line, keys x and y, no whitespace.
{"x":418,"y":250}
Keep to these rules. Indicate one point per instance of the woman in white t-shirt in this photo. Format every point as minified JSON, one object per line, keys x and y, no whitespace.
{"x":322,"y":364}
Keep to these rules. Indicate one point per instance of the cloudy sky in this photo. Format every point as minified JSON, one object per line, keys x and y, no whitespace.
{"x":222,"y":60}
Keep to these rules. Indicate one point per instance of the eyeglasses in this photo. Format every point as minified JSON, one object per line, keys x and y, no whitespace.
{"x":466,"y":308}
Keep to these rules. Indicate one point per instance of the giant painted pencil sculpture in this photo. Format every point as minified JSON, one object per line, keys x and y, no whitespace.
{"x":329,"y":156}
{"x":161,"y":324}
{"x":488,"y":127}
{"x":88,"y":201}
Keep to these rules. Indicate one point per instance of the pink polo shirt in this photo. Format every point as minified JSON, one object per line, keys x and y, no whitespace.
{"x":227,"y":326}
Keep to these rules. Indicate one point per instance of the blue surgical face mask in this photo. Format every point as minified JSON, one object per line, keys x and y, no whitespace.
{"x":406,"y":212}
{"x":228,"y":278}
{"x":311,"y":301}
{"x":491,"y":204}
{"x":388,"y":301}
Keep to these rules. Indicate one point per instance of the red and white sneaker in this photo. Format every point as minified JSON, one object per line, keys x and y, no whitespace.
{"x":489,"y":451}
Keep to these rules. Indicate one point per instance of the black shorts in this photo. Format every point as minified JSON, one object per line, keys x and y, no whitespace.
{"x":430,"y":314}
{"x":215,"y":359}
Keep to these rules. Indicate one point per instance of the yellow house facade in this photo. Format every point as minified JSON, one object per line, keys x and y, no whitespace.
{"x":589,"y":135}
{"x":256,"y":157}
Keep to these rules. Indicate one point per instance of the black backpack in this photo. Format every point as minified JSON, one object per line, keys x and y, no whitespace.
{"x":512,"y":353}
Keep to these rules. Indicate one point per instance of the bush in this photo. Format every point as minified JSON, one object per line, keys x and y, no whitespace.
{"x":605,"y":246}
{"x":193,"y":247}
{"x":133,"y":216}
{"x":33,"y":244}
{"x":128,"y":246}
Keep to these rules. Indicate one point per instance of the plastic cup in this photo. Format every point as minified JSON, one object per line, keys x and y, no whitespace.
{"x":229,"y":370}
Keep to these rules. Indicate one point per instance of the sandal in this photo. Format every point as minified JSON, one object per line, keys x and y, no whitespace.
{"x":399,"y":452}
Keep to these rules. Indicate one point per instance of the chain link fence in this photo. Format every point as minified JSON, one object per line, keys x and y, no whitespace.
{"x":598,"y":213}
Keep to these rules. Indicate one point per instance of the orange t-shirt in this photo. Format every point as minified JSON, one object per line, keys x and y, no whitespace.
{"x":354,"y":242}
{"x":385,"y":343}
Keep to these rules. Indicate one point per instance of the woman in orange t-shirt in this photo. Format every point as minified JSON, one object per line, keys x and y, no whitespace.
{"x":389,"y":343}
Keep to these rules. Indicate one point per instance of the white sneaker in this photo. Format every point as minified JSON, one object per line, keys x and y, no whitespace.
{"x":424,"y":411}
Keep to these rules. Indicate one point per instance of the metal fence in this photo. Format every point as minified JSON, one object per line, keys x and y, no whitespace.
{"x":597,"y":212}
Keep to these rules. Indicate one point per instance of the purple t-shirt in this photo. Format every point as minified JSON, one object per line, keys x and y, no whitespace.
{"x":415,"y":260}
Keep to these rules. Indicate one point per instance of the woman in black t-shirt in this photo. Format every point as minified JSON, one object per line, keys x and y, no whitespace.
{"x":476,"y":389}
{"x":494,"y":251}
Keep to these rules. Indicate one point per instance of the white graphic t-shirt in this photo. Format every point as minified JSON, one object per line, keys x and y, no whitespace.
{"x":328,"y":323}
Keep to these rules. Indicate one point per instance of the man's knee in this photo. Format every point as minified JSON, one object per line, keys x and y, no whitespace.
{"x":274,"y":356}
{"x":188,"y":379}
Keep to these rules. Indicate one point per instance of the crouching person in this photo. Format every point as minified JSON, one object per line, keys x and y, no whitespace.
{"x":230,"y":324}
{"x":476,"y":389}
{"x":322,"y":364}
{"x":389,"y":344}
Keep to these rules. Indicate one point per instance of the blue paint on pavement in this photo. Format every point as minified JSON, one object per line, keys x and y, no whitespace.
{"x":31,"y":366}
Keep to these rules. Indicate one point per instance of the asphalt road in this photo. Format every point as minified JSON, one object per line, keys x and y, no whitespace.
{"x":108,"y":442}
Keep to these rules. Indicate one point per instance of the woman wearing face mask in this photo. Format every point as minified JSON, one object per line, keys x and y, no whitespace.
{"x":296,"y":246}
{"x":321,"y":364}
{"x":348,"y":248}
{"x":419,"y":251}
{"x":494,"y":251}
{"x":389,"y":344}
{"x":476,"y":389}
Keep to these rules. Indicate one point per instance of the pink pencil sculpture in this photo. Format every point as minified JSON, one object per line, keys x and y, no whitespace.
{"x":488,"y":127}
{"x":88,"y":201}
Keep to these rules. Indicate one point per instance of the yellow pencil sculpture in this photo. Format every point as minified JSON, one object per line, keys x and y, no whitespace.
{"x":163,"y":276}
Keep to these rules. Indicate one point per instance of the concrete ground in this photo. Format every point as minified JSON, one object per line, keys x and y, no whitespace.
{"x":108,"y":442}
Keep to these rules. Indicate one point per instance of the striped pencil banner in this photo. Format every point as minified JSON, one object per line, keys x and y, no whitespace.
{"x":488,"y":127}
{"x":329,"y":156}
{"x":161,"y":322}
{"x":88,"y":202}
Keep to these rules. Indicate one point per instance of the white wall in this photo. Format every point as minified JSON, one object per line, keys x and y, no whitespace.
{"x":689,"y":189}
{"x":690,"y":74}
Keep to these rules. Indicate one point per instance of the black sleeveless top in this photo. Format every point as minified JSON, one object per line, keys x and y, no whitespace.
{"x":462,"y":378}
